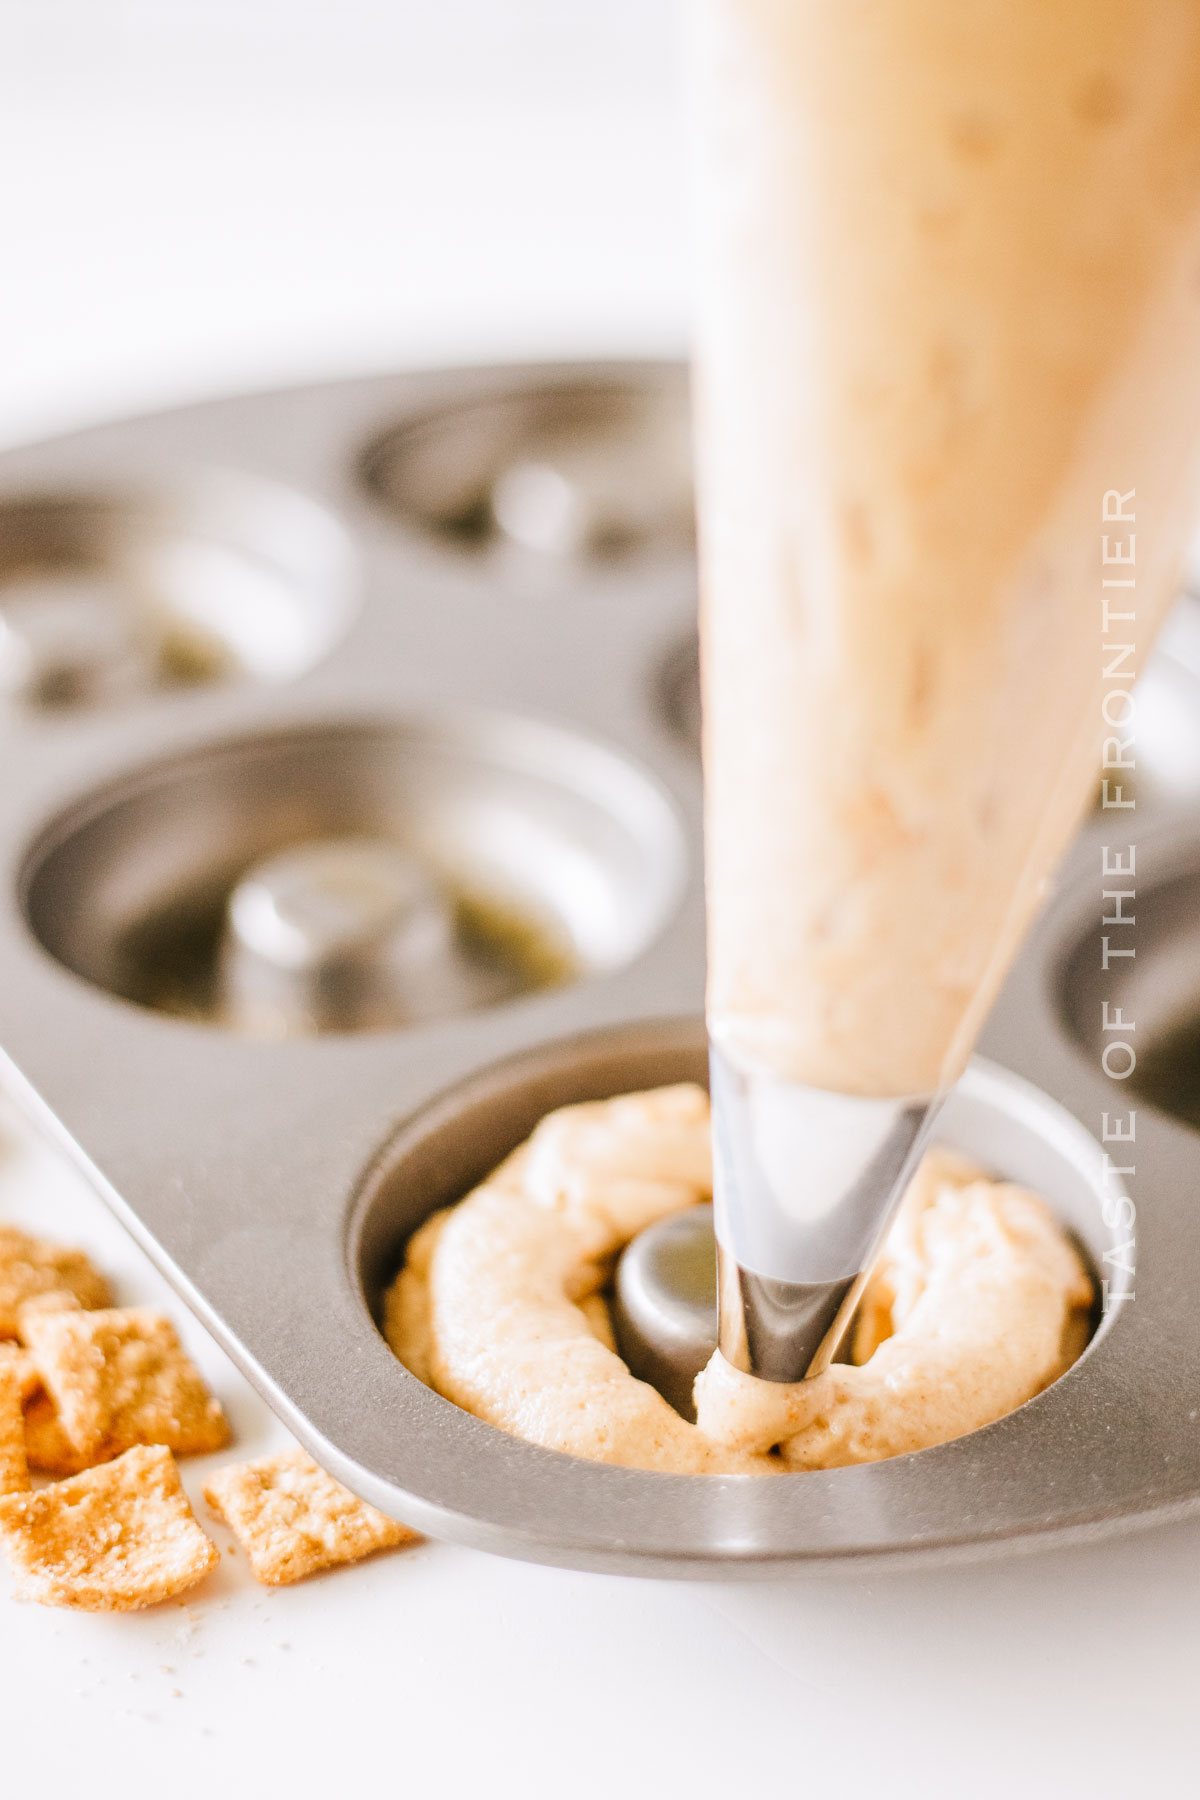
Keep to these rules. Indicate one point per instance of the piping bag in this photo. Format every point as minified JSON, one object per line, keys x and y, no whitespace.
{"x":947,"y":400}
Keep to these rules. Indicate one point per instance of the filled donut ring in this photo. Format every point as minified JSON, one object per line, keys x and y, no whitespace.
{"x":975,"y":1306}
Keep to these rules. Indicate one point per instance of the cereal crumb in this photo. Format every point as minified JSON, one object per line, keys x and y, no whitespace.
{"x":293,"y":1519}
{"x":113,"y":1539}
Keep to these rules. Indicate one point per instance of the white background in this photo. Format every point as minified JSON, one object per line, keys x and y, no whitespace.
{"x":197,"y":195}
{"x":203,"y":194}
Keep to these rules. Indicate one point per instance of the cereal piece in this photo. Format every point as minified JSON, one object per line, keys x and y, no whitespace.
{"x":28,"y":1267}
{"x":46,"y":1445}
{"x":22,"y":1366}
{"x":292,"y":1519}
{"x":14,"y":1470}
{"x":109,"y":1540}
{"x":121,"y":1377}
{"x":53,"y":1300}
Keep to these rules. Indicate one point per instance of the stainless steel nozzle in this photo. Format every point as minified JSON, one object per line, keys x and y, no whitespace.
{"x":805,"y":1185}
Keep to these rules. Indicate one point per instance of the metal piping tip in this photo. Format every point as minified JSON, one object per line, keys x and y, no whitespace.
{"x":805,"y":1186}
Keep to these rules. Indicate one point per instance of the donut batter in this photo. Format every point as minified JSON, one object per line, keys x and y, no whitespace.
{"x":948,"y":304}
{"x":978,"y":1302}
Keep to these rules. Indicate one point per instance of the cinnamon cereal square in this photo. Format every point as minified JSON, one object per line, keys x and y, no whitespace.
{"x":19,"y":1362}
{"x":29,"y":1266}
{"x":53,"y":1300}
{"x":14,"y":1469}
{"x":293,"y":1519}
{"x":110,"y":1540}
{"x":120,"y":1377}
{"x":46,"y":1446}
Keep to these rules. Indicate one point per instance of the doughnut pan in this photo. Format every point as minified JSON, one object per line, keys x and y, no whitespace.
{"x":539,"y":699}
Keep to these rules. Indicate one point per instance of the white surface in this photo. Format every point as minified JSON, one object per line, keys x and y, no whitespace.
{"x":199,"y":194}
{"x":442,"y":1671}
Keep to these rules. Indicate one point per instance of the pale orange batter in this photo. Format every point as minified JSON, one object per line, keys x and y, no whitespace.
{"x":978,"y":1302}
